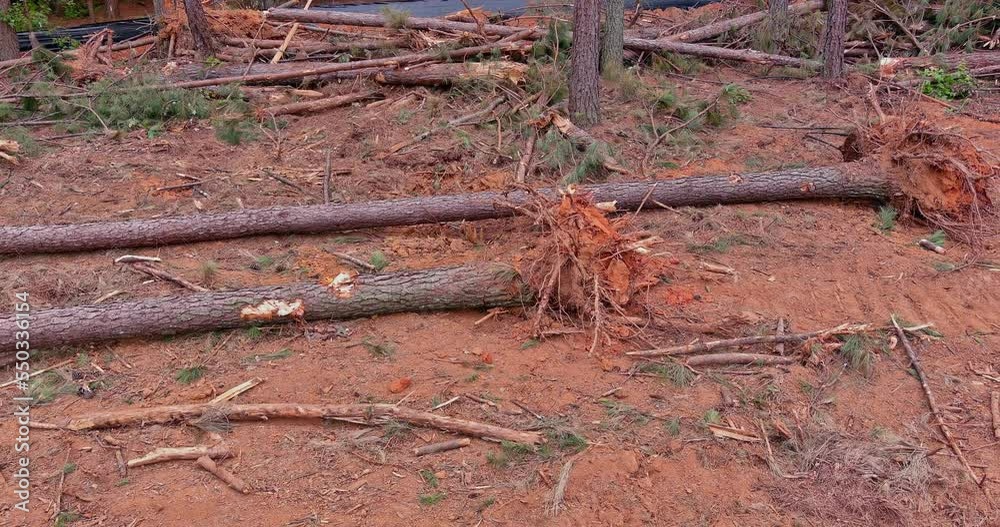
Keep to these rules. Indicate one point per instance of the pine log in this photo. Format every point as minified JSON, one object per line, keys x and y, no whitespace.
{"x":742,"y":359}
{"x":466,"y":287}
{"x":950,"y":61}
{"x":363,"y":413}
{"x":861,"y":180}
{"x":318,"y":105}
{"x":274,"y":71}
{"x":226,"y":476}
{"x":718,"y":28}
{"x":635,"y":44}
{"x":313,"y":46}
{"x":400,"y":60}
{"x":443,"y":446}
{"x":450,"y":73}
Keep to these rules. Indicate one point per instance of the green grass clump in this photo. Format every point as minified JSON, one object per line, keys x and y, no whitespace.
{"x":378,"y":260}
{"x":429,"y":478}
{"x":395,"y":18}
{"x":712,"y":416}
{"x":671,"y":372}
{"x":46,"y":387}
{"x":859,"y":353}
{"x":190,"y":375}
{"x":65,"y":518}
{"x":566,"y":440}
{"x":949,"y":86}
{"x":382,"y":350}
{"x":431,"y":499}
{"x":28,"y":146}
{"x":509,"y":454}
{"x":673,"y":426}
{"x":938,"y":237}
{"x":887,"y":216}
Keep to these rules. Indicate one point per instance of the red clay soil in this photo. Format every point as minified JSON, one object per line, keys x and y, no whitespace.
{"x":845,"y":448}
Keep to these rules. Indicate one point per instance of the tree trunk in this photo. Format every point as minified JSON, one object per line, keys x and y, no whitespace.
{"x":159,"y":10}
{"x":364,"y":413}
{"x":318,"y":105}
{"x":862,"y":180}
{"x":111,"y":9}
{"x":9,"y":49}
{"x":584,"y":75}
{"x":198,"y":24}
{"x":778,"y":13}
{"x":744,"y":55}
{"x":978,"y":60}
{"x":833,"y":39}
{"x":468,"y":287}
{"x":613,"y":43}
{"x":448,"y":73}
{"x":313,"y":70}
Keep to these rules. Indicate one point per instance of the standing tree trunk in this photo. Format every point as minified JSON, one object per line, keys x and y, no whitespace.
{"x":158,"y":10}
{"x":777,"y":11}
{"x":91,"y":12}
{"x":198,"y":23}
{"x":833,"y":39}
{"x":584,"y":76}
{"x":8,"y":37}
{"x":111,"y":8}
{"x":613,"y":44}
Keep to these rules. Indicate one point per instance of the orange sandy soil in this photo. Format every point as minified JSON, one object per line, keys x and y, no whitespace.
{"x":817,"y":264}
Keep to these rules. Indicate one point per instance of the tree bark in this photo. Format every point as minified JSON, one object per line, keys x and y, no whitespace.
{"x":862,"y":180}
{"x":111,"y":9}
{"x":833,"y":39}
{"x":198,"y":24}
{"x":159,"y":10}
{"x":9,"y":49}
{"x":613,"y":43}
{"x":468,"y":287}
{"x":778,"y":13}
{"x":584,"y":75}
{"x":364,"y":413}
{"x":632,"y":43}
{"x":973,"y":61}
{"x":742,"y":359}
{"x":318,"y":105}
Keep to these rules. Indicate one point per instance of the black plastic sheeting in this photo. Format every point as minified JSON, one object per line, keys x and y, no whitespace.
{"x":124,"y":30}
{"x":129,"y":29}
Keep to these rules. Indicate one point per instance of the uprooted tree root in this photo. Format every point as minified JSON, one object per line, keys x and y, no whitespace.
{"x":942,"y":176}
{"x":587,"y":266}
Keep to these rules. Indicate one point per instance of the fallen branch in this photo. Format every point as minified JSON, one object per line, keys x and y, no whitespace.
{"x":743,"y":359}
{"x":467,"y":287}
{"x":473,"y":117}
{"x":161,"y":455}
{"x":356,"y":413}
{"x":559,"y":492}
{"x":724,"y":26}
{"x":702,"y":347}
{"x":861,"y":180}
{"x":446,"y":74}
{"x":235,"y":391}
{"x":170,"y":277}
{"x":443,"y":446}
{"x":583,"y":140}
{"x":226,"y":476}
{"x":527,"y":157}
{"x":130,"y":44}
{"x":915,"y":362}
{"x":318,"y":105}
{"x":995,"y":413}
{"x":288,"y":37}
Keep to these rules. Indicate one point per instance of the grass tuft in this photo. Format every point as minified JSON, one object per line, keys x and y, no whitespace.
{"x":190,"y":375}
{"x":887,"y":216}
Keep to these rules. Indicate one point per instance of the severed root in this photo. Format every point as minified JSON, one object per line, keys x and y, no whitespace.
{"x":231,"y":479}
{"x":173,"y":454}
{"x":355,"y":413}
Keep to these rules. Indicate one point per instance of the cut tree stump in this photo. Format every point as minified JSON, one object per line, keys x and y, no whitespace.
{"x":861,"y":180}
{"x":466,"y":287}
{"x":356,"y":413}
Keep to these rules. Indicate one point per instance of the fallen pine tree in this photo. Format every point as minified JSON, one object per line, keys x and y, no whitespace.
{"x":354,"y":413}
{"x":718,"y":28}
{"x":342,"y":297}
{"x":662,"y":45}
{"x":860,"y":180}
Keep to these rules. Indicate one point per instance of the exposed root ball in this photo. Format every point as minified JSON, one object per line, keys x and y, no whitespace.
{"x":585,"y":264}
{"x":941,"y":174}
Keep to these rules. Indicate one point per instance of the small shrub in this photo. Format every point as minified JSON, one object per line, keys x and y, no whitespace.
{"x":134,"y":103}
{"x":958,"y":84}
{"x":190,"y":375}
{"x":394,"y":18}
{"x":857,"y":349}
{"x":887,"y":215}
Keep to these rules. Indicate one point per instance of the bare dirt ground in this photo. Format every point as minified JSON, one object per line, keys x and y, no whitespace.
{"x":860,"y":449}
